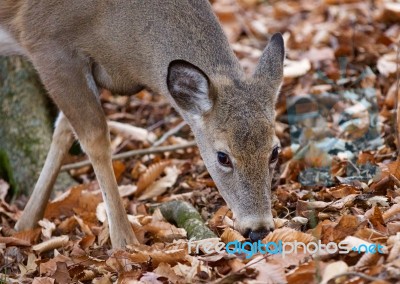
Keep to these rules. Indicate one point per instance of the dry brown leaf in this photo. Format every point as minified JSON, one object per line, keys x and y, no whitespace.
{"x":119,"y":168}
{"x":47,"y":228}
{"x":395,"y":250}
{"x":333,"y":269}
{"x":12,"y":241}
{"x":347,"y":226}
{"x":149,"y":277}
{"x":43,"y":280}
{"x":84,"y":227}
{"x":49,"y":267}
{"x":150,"y":175}
{"x":217,"y":219}
{"x":391,"y":12}
{"x":189,"y":272}
{"x":165,"y":270}
{"x":30,"y":265}
{"x":73,"y":200}
{"x":87,"y":241}
{"x":304,"y":273}
{"x":32,"y":236}
{"x":288,"y":235}
{"x":392,"y":211}
{"x":160,"y":186}
{"x":53,"y":243}
{"x":164,"y":231}
{"x":106,"y":279}
{"x":368,"y":259}
{"x":269,"y":272}
{"x":342,"y":190}
{"x":377,"y":219}
{"x":67,"y":225}
{"x":230,"y":235}
{"x":126,"y":190}
{"x":158,"y":256}
{"x":120,"y":261}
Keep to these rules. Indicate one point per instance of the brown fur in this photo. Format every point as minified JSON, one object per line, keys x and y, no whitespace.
{"x":175,"y":48}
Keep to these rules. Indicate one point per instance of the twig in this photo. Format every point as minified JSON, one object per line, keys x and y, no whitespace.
{"x":132,"y":153}
{"x":169,"y":133}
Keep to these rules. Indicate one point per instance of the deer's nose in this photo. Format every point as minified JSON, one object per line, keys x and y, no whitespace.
{"x":259,"y":234}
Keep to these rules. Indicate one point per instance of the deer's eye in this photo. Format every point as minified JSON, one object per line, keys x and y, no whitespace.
{"x":274,"y":155}
{"x":224,"y":159}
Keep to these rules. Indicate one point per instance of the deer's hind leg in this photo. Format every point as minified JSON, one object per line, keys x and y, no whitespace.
{"x":61,"y":143}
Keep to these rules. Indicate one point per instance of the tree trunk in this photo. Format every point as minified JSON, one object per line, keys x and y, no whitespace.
{"x":25,"y":126}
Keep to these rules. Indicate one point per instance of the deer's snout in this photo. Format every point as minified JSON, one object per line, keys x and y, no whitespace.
{"x":255,"y":228}
{"x":258,"y":234}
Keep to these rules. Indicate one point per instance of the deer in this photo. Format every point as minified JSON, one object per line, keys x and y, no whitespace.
{"x":175,"y":48}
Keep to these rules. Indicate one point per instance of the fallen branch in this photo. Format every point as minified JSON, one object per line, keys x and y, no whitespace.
{"x":132,"y":153}
{"x":184,"y":215}
{"x":169,"y":133}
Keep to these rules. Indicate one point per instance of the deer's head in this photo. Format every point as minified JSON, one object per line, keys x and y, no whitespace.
{"x":233,"y":120}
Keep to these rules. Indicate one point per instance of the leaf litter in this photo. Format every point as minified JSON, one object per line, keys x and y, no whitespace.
{"x":338,"y":176}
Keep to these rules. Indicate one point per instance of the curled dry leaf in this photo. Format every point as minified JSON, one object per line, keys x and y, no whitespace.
{"x":150,"y":176}
{"x":53,"y":243}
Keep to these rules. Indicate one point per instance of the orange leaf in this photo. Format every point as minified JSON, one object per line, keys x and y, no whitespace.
{"x":151,"y":174}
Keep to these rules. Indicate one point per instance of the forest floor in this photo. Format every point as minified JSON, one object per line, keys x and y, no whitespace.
{"x":337,"y":179}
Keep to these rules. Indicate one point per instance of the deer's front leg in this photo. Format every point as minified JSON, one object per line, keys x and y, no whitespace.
{"x":68,"y":78}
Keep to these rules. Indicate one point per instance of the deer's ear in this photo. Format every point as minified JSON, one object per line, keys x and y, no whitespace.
{"x":270,"y":66}
{"x":189,"y":87}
